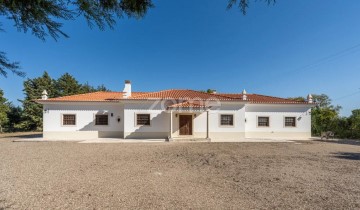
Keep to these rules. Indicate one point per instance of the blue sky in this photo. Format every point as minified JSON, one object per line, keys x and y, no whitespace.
{"x":290,"y":49}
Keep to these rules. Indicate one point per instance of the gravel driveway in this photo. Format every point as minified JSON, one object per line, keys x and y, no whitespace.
{"x":69,"y":175}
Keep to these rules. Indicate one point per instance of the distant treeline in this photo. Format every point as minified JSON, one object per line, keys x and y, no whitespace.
{"x":325,"y":117}
{"x":28,"y":117}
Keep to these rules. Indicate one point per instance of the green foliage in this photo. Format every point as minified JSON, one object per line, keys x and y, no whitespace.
{"x":101,"y":88}
{"x":67,"y":85}
{"x":299,"y":98}
{"x":354,"y":121}
{"x":325,"y":117}
{"x":244,"y":4}
{"x":14,"y":115}
{"x":211,"y":91}
{"x":4,"y":108}
{"x":33,"y":88}
{"x":5,"y":64}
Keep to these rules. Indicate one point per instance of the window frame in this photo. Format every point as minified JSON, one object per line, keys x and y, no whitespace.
{"x":62,"y":120}
{"x":227,"y":114}
{"x":105,"y":114}
{"x":262,"y":126}
{"x":136,"y":119}
{"x":294,"y":122}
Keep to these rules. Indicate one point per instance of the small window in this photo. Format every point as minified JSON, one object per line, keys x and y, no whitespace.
{"x":227,"y":119}
{"x":290,"y":122}
{"x":263,"y":121}
{"x":101,"y":119}
{"x":143,"y":119}
{"x":69,"y":119}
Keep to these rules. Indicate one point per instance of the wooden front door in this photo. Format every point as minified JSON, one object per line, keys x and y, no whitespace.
{"x":185,"y":124}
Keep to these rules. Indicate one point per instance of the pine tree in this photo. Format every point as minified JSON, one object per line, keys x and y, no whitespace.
{"x":67,"y":85}
{"x":101,"y":88}
{"x":14,"y":115}
{"x":87,"y":88}
{"x":4,"y":108}
{"x":33,"y":88}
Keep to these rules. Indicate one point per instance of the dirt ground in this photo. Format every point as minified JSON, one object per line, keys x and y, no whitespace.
{"x":69,"y":175}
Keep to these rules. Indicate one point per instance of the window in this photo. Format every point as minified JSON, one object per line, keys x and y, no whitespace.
{"x":101,"y":119}
{"x":227,"y":119}
{"x":69,"y":119}
{"x":290,"y":122}
{"x":263,"y":121}
{"x":143,"y":119}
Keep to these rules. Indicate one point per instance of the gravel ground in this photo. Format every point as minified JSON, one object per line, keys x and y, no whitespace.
{"x":69,"y":175}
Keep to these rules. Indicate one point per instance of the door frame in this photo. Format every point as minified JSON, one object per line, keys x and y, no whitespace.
{"x":192,"y":123}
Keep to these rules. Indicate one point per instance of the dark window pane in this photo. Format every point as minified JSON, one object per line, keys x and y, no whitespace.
{"x":227,"y":120}
{"x":143,"y":119}
{"x":263,"y":121}
{"x":69,"y":119}
{"x":290,"y":121}
{"x":101,"y":119}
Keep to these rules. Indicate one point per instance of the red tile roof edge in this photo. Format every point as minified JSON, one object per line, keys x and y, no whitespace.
{"x":163,"y":94}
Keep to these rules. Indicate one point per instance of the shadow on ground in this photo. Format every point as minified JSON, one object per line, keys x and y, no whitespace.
{"x":341,"y":141}
{"x":21,"y":135}
{"x":347,"y":155}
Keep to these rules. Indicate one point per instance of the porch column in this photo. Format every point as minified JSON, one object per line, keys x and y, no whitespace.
{"x":207,"y":124}
{"x":171,"y":124}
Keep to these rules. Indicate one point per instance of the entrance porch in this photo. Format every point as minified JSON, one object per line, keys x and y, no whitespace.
{"x":189,"y":123}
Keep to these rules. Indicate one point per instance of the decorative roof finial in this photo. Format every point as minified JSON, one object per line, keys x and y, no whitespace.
{"x":44,"y":95}
{"x":244,"y":96}
{"x":310,"y":98}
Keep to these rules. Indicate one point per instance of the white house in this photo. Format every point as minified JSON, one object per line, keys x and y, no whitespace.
{"x":174,"y":114}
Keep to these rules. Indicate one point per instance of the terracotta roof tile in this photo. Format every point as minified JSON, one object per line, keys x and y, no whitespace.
{"x":172,"y":94}
{"x":95,"y":96}
{"x":181,"y":94}
{"x":256,"y":98}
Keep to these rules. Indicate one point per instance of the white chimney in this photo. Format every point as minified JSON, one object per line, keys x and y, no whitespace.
{"x":310,"y":98}
{"x":127,"y":89}
{"x":44,"y":95}
{"x":244,"y":96}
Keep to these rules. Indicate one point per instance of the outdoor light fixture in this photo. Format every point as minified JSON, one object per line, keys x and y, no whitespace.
{"x":245,"y":119}
{"x":118,"y":119}
{"x":175,"y":115}
{"x":112,"y":114}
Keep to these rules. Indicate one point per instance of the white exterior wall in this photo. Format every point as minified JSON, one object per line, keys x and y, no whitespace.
{"x":277,"y":114}
{"x":245,"y":121}
{"x":85,"y":121}
{"x":159,"y":120}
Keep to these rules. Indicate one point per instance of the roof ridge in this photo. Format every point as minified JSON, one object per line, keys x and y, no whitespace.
{"x":276,"y":97}
{"x":212,"y":94}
